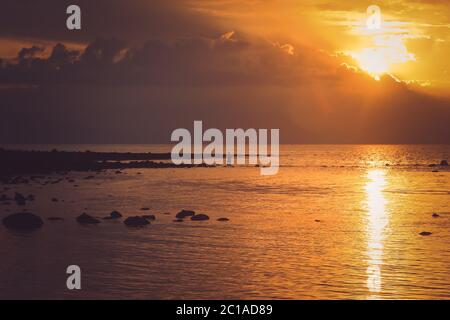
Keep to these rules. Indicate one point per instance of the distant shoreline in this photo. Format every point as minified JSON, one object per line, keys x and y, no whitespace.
{"x":34,"y":162}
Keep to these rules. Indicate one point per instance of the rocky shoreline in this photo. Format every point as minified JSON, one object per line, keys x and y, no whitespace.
{"x":13,"y":162}
{"x":26,"y":221}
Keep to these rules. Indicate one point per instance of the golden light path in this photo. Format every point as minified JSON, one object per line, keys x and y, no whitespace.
{"x":377,"y":221}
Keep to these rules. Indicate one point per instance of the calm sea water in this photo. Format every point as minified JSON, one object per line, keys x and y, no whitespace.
{"x":336,"y":222}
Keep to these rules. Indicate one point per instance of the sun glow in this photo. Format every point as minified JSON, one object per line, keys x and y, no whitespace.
{"x":377,"y":222}
{"x":373,"y":61}
{"x":384,"y":48}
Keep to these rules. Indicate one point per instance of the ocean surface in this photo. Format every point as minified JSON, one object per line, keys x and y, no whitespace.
{"x":336,"y":222}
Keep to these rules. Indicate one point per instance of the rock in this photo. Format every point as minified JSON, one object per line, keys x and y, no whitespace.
{"x":55,"y":200}
{"x":20,"y":199}
{"x":178,"y":220}
{"x":166,"y":213}
{"x":317,"y":220}
{"x":23,"y":221}
{"x":435,"y":171}
{"x":223,"y":219}
{"x":444,"y":163}
{"x":185,"y":213}
{"x":136,"y":222}
{"x":55,"y":219}
{"x":115,"y":215}
{"x":30,"y":197}
{"x":87,"y":219}
{"x":200,"y":217}
{"x":149,"y":217}
{"x":435,"y":215}
{"x":145,"y":209}
{"x":425,"y":233}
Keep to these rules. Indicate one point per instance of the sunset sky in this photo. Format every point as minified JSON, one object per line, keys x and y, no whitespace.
{"x":139,"y":69}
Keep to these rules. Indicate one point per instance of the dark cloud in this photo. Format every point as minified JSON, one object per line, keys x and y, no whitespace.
{"x":189,"y":61}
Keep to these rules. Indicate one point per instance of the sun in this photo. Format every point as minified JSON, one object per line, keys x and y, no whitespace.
{"x":372,"y":60}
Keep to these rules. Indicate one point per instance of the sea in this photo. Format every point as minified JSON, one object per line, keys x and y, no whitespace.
{"x":336,"y":222}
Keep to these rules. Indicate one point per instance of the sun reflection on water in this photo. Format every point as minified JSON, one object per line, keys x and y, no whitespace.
{"x":377,"y":221}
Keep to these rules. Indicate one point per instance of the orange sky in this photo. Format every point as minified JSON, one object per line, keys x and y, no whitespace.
{"x":310,"y":67}
{"x":414,"y":40}
{"x":413,"y":43}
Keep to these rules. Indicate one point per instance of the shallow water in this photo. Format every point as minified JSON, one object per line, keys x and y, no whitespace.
{"x":372,"y":203}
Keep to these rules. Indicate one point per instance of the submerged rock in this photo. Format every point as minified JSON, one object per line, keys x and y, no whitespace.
{"x":149,"y":217}
{"x":200,"y":217}
{"x":425,"y":233}
{"x":178,"y":220}
{"x":444,"y":163}
{"x":115,"y":215}
{"x":87,"y":219}
{"x":185,"y":213}
{"x":435,"y":215}
{"x":223,"y":219}
{"x":55,"y":200}
{"x":23,"y":221}
{"x":136,"y":222}
{"x":145,"y":209}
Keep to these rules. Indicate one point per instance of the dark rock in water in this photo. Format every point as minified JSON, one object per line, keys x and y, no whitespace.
{"x":89,"y":177}
{"x":200,"y":217}
{"x":55,"y":219}
{"x":435,"y":171}
{"x":145,"y":209}
{"x":425,"y":233}
{"x":317,"y":220}
{"x":178,"y":220}
{"x":55,"y":200}
{"x":87,"y":219}
{"x":118,"y":172}
{"x":136,"y":222}
{"x":185,"y":213}
{"x":30,"y":197}
{"x":444,"y":163}
{"x":149,"y":217}
{"x":23,"y":221}
{"x":223,"y":219}
{"x":20,"y":199}
{"x":115,"y":215}
{"x":166,"y":213}
{"x":435,"y":215}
